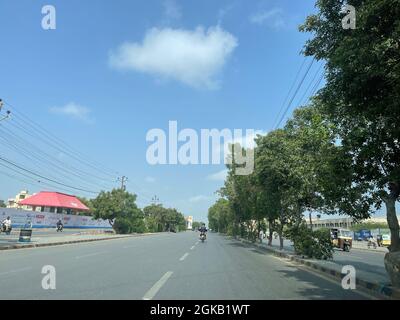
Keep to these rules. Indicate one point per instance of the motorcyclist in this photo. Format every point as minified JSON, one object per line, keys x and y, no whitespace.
{"x":59,"y":225}
{"x":6,"y":224}
{"x":372,"y":242}
{"x":28,"y":224}
{"x":203,"y":231}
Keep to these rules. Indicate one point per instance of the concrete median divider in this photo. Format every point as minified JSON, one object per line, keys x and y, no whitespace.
{"x":381,"y":290}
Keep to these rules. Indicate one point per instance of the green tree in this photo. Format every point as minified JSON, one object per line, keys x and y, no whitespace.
{"x":277,"y":180}
{"x":195,"y":225}
{"x":241,"y":196}
{"x":362,"y":98}
{"x":2,"y":204}
{"x":160,"y":219}
{"x":88,"y":203}
{"x":155,"y":216}
{"x":220,"y":217}
{"x":369,"y":226}
{"x":117,"y":205}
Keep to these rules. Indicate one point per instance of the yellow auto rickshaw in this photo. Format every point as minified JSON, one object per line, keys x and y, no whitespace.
{"x":341,"y":238}
{"x":386,"y":241}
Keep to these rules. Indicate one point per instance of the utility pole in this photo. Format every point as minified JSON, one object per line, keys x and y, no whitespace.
{"x":155,"y":200}
{"x":123,"y":181}
{"x":7,"y":113}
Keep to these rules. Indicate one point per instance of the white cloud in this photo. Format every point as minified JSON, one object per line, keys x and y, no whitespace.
{"x":219,"y":176}
{"x":172,"y":10}
{"x":73,"y":110}
{"x":224,"y":11}
{"x":199,"y":198}
{"x":150,"y":179}
{"x":192,"y":57}
{"x":271,"y":18}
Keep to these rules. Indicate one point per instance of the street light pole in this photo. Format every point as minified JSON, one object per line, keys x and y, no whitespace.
{"x":123,"y":181}
{"x":155,"y":200}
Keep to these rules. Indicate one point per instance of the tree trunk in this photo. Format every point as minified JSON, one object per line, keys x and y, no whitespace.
{"x":310,"y":216}
{"x":271,"y":231}
{"x":393,"y":224}
{"x":280,"y":241}
{"x":392,"y":258}
{"x":281,"y":236}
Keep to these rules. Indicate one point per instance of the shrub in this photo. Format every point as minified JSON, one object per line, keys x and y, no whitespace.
{"x":138,"y":226}
{"x":312,"y":244}
{"x":323,"y":244}
{"x":122,"y":226}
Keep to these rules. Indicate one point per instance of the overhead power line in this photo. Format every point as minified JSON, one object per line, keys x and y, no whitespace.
{"x":33,"y":182}
{"x":290,"y":90}
{"x":43,"y":177}
{"x":57,"y":142}
{"x":295,"y":93}
{"x":42,"y":158}
{"x":307,"y":93}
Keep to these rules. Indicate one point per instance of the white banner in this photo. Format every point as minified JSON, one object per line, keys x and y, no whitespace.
{"x":49,"y":220}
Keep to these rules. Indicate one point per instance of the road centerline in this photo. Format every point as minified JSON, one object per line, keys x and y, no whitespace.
{"x":157,"y":286}
{"x":184,"y":256}
{"x":90,"y":255}
{"x":15,"y":271}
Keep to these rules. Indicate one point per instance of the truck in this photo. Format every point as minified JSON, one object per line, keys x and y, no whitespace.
{"x":362,"y":235}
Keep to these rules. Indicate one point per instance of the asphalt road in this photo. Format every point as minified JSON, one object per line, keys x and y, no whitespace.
{"x":162,"y":266}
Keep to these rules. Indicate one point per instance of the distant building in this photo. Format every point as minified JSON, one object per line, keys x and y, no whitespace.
{"x":341,"y":222}
{"x":189,"y":222}
{"x":54,"y":202}
{"x":13,"y":203}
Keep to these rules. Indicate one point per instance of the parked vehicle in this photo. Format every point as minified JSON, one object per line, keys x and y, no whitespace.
{"x":341,"y":238}
{"x":386,"y":241}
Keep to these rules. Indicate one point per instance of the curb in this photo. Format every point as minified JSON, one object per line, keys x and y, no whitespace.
{"x":51,"y":244}
{"x":376,"y":288}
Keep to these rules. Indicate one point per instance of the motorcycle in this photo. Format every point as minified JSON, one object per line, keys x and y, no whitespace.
{"x":371,"y":243}
{"x":60,"y":228}
{"x":5,"y":229}
{"x":202,"y":237}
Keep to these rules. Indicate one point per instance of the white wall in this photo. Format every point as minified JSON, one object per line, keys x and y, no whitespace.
{"x":47,"y":219}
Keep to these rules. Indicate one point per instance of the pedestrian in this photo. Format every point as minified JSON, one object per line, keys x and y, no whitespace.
{"x":261,"y":235}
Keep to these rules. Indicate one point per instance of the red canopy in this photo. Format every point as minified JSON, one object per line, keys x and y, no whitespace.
{"x":54,"y":199}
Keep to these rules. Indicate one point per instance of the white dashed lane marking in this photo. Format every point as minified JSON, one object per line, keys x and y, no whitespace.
{"x":157,"y":286}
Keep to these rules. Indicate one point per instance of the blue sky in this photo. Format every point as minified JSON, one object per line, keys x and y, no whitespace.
{"x":206,"y":64}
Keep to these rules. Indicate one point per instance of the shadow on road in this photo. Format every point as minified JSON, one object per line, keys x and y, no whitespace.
{"x":316,"y":291}
{"x":317,"y":287}
{"x":362,"y":266}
